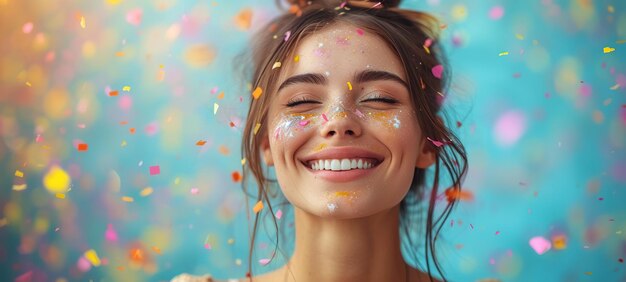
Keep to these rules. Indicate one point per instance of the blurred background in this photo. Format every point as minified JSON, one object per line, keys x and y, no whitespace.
{"x":120,"y":125}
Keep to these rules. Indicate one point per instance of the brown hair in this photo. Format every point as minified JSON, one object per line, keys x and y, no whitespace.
{"x":406,"y":32}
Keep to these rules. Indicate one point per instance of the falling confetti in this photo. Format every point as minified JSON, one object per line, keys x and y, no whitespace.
{"x":276,"y":65}
{"x":258,"y":207}
{"x":128,"y":199}
{"x":236,"y":176}
{"x":82,"y":22}
{"x":279,"y":214}
{"x":215,"y":107}
{"x":349,"y":86}
{"x":437,"y":71}
{"x":608,"y":50}
{"x":92,"y":257}
{"x":19,"y":173}
{"x":540,"y":244}
{"x":82,"y":147}
{"x":256,"y":128}
{"x":503,"y":54}
{"x":57,"y":180}
{"x":146,"y":191}
{"x":155,"y":169}
{"x":257,"y":93}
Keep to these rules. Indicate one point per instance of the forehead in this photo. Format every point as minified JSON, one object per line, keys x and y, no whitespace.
{"x":339,"y":51}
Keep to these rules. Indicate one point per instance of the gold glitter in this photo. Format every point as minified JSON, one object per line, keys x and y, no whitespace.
{"x":319,"y":147}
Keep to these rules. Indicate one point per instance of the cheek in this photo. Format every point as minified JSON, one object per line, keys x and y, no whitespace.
{"x":290,"y":130}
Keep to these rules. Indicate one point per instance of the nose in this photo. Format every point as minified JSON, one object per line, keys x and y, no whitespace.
{"x":341,"y":124}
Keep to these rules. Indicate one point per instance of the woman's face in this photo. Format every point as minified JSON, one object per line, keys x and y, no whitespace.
{"x":343,"y":135}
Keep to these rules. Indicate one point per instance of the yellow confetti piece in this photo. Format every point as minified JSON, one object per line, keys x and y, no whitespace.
{"x":231,"y":241}
{"x":426,"y":49}
{"x":19,"y":173}
{"x":146,"y":191}
{"x":519,"y":36}
{"x":257,"y":93}
{"x":503,"y":54}
{"x":276,"y":65}
{"x":296,"y":58}
{"x":349,"y":86}
{"x":256,"y":128}
{"x":342,"y":193}
{"x":20,"y":187}
{"x":123,"y":143}
{"x":177,"y":181}
{"x":215,"y":107}
{"x":243,"y":161}
{"x":126,"y":88}
{"x":258,"y":207}
{"x":28,"y":84}
{"x":608,"y":50}
{"x":92,"y":257}
{"x":56,"y":180}
{"x":128,"y":199}
{"x":60,"y":195}
{"x":82,"y":22}
{"x":161,"y":75}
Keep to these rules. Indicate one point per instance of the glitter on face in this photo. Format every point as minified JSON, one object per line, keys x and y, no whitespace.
{"x":331,"y":207}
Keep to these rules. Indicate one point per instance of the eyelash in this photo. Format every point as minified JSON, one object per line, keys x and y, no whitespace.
{"x":377,"y":97}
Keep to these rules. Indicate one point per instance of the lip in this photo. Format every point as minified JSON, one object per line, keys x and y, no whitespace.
{"x":343,"y":153}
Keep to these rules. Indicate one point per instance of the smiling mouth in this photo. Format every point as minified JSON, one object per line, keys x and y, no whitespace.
{"x":342,"y":164}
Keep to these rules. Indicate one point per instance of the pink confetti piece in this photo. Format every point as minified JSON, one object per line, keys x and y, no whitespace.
{"x":134,"y":16}
{"x":428,"y":42}
{"x":279,"y":214}
{"x":359,"y":31}
{"x":584,"y":90}
{"x":435,"y":142}
{"x":510,"y":127}
{"x":492,"y":261}
{"x":125,"y":102}
{"x":287,"y":35}
{"x":26,"y":277}
{"x":214,"y":90}
{"x":303,"y":122}
{"x":540,"y":244}
{"x":195,"y":191}
{"x":110,"y":234}
{"x":497,"y":232}
{"x":359,"y":113}
{"x":152,"y":128}
{"x":343,"y":4}
{"x":27,"y":27}
{"x":496,"y":12}
{"x":155,"y":169}
{"x":208,"y":246}
{"x":324,"y":117}
{"x":437,"y":71}
{"x":264,"y":261}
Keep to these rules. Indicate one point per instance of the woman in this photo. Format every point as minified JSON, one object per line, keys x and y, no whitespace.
{"x":345,"y":109}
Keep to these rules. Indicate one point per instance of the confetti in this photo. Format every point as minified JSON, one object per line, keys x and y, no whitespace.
{"x":258,"y":207}
{"x":92,"y":257}
{"x":503,"y":54}
{"x":435,"y":142}
{"x":146,"y":191}
{"x":220,"y":96}
{"x":256,"y":128}
{"x":19,"y":187}
{"x":215,"y":107}
{"x":304,"y":122}
{"x":539,"y":244}
{"x":195,"y":191}
{"x":236,"y":176}
{"x":134,"y":17}
{"x":27,"y":27}
{"x":496,"y":12}
{"x":110,"y":234}
{"x":296,"y":58}
{"x":264,"y":261}
{"x":279,"y":214}
{"x":128,"y":199}
{"x":60,"y":195}
{"x":19,"y":173}
{"x":56,"y":180}
{"x":257,"y":93}
{"x":360,"y":31}
{"x":349,"y":86}
{"x":82,"y":147}
{"x":126,"y":88}
{"x":156,"y":250}
{"x":243,"y":161}
{"x":276,"y":65}
{"x":455,"y":193}
{"x":287,"y":35}
{"x":437,"y":71}
{"x":559,"y":242}
{"x":608,"y":50}
{"x":519,"y":36}
{"x":82,"y":22}
{"x":324,"y":117}
{"x":155,"y":169}
{"x":243,"y":19}
{"x":200,"y":143}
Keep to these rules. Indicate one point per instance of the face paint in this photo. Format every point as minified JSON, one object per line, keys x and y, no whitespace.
{"x":291,"y":124}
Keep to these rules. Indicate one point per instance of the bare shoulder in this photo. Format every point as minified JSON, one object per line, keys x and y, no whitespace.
{"x":200,"y":278}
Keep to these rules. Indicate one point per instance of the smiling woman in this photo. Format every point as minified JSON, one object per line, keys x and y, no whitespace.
{"x":347,"y":112}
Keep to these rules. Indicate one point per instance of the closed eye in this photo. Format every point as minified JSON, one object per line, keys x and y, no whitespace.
{"x":299,"y":101}
{"x":382,"y":99}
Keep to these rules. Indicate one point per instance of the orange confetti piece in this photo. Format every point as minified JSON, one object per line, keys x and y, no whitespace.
{"x":156,"y":250}
{"x":28,"y":84}
{"x":258,"y":207}
{"x":136,"y":255}
{"x":224,"y":150}
{"x":132,"y":130}
{"x":455,"y":193}
{"x":231,"y":124}
{"x":243,"y":19}
{"x":119,"y":54}
{"x":257,"y":93}
{"x":342,"y":193}
{"x":220,"y":96}
{"x":128,"y":199}
{"x":82,"y":147}
{"x":113,"y":93}
{"x":236,"y":176}
{"x":146,"y":191}
{"x":200,"y":143}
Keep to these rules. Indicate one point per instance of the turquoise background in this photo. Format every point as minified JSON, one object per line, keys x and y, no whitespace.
{"x":545,"y":128}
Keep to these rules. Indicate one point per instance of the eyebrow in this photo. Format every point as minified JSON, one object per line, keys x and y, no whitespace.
{"x":361,"y":77}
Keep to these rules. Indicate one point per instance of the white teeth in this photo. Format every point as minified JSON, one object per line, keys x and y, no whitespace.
{"x":340,"y":164}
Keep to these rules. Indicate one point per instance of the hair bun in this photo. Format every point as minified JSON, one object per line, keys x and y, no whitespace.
{"x":334,"y":3}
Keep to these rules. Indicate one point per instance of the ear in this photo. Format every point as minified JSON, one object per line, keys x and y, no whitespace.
{"x":265,"y":148}
{"x":427,"y":154}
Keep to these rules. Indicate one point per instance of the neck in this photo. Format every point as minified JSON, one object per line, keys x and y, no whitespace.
{"x":361,"y":249}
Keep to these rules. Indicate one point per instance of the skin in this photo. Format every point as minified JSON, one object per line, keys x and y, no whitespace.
{"x":345,"y":231}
